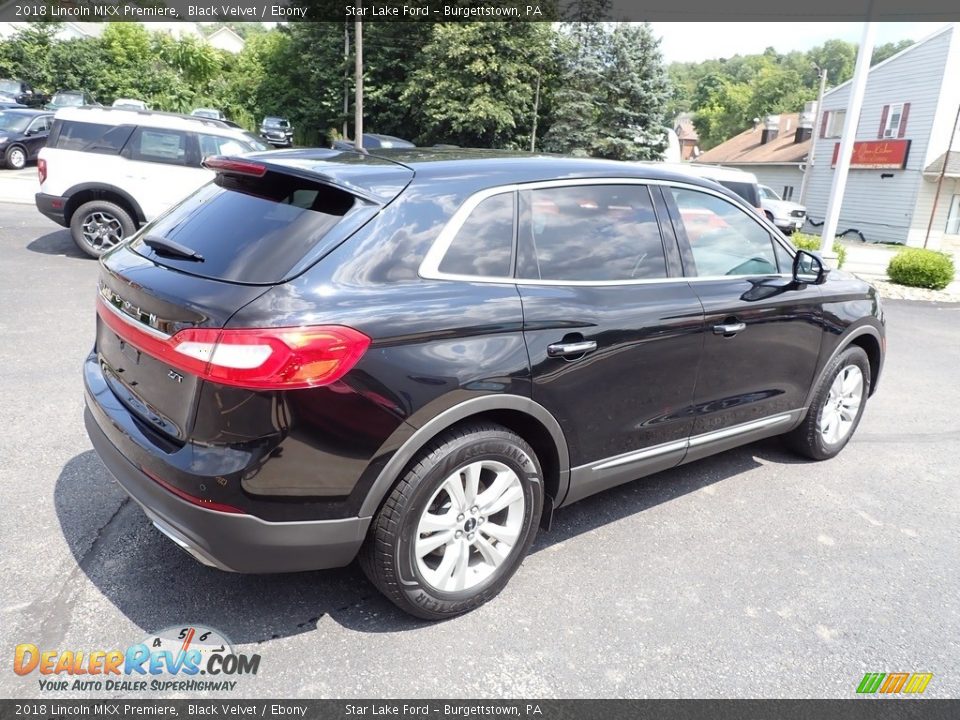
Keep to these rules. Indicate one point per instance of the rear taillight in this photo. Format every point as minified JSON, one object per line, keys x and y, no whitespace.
{"x":258,"y":359}
{"x":42,"y":170}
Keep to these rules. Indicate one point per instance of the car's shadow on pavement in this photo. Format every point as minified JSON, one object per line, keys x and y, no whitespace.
{"x":157,"y":585}
{"x":58,"y":242}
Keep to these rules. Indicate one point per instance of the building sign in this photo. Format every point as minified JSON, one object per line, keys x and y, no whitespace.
{"x":876,"y":154}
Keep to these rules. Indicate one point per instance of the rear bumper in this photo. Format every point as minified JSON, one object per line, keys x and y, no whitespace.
{"x":237,"y":543}
{"x":52,"y":206}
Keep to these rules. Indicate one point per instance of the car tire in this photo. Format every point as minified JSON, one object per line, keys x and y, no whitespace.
{"x":836,"y":409}
{"x":15,"y":157}
{"x":99,"y":225}
{"x":434,"y":555}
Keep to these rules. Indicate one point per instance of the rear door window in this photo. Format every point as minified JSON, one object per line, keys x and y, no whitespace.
{"x":589,"y":233}
{"x":250,"y":230}
{"x":159,"y":145}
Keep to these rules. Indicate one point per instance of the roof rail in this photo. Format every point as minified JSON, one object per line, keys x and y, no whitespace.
{"x":210,"y":122}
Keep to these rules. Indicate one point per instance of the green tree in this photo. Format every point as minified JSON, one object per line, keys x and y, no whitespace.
{"x":475,"y":83}
{"x":631,"y":122}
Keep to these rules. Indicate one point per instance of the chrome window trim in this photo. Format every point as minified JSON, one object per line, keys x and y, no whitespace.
{"x":430,"y":266}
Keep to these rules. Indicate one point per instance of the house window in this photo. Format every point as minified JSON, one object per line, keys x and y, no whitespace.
{"x":953,"y":218}
{"x":835,"y":121}
{"x":892,"y":126}
{"x":787,"y":192}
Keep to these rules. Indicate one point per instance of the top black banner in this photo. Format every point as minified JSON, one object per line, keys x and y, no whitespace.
{"x":473,"y":10}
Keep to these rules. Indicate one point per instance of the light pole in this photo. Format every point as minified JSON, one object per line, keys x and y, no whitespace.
{"x":850,"y":123}
{"x":536,"y":108}
{"x":817,"y":115}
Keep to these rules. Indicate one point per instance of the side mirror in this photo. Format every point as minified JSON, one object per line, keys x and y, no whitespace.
{"x":28,"y":133}
{"x":808,"y":269}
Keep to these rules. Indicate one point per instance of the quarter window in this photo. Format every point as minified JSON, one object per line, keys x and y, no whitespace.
{"x":724,"y":239}
{"x":589,"y":233}
{"x":92,"y":137}
{"x":483,"y":246}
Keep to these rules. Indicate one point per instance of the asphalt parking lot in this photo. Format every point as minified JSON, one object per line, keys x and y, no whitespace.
{"x":750,"y":574}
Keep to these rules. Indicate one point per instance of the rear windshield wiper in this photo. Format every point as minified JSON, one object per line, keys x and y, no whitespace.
{"x":164,"y":246}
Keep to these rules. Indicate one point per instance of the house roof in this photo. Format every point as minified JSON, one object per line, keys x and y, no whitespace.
{"x":953,"y":165}
{"x":745,"y":148}
{"x":951,"y":27}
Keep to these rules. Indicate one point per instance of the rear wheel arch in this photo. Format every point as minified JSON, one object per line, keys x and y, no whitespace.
{"x":527,"y":418}
{"x":81,"y":194}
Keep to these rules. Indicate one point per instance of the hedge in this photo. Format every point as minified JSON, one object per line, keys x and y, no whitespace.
{"x":921,"y":268}
{"x":811,"y":243}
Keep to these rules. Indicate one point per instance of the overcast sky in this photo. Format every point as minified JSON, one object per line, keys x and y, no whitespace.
{"x":687,"y":41}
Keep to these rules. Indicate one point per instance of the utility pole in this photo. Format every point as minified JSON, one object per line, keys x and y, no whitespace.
{"x":346,"y":76}
{"x":358,"y":86}
{"x":536,"y":107}
{"x":854,"y":105}
{"x":943,"y":172}
{"x":817,"y":115}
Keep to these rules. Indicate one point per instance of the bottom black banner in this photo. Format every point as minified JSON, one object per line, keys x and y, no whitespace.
{"x":865,"y":709}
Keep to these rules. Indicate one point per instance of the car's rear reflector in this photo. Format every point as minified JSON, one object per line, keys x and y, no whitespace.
{"x":235,"y":167}
{"x":193,"y":499}
{"x":255,"y":358}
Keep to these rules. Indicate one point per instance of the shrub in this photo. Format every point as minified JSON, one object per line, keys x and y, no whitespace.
{"x":811,"y":243}
{"x":921,"y":268}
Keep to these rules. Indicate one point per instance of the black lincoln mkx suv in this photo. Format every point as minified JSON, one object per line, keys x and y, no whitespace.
{"x":417,"y":356}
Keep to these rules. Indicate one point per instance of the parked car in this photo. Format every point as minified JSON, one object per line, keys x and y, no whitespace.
{"x":736,"y":181}
{"x":209,"y":113}
{"x":23,"y":133}
{"x":416,"y":356}
{"x":785,"y":214}
{"x":22,"y":92}
{"x":373,"y":141}
{"x":277,"y":131}
{"x":69,"y":98}
{"x":130,"y":104}
{"x":4,"y":105}
{"x":105,"y":171}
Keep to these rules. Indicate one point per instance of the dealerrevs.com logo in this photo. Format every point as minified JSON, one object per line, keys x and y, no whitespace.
{"x":191,"y":658}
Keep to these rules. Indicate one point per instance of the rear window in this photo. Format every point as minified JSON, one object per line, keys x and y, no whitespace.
{"x":250,"y":230}
{"x":91,"y":137}
{"x":748,"y":191}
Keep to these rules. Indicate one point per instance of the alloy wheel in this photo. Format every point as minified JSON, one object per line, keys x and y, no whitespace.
{"x":101,"y":230}
{"x":840,"y":409}
{"x":17,"y":159}
{"x":470,"y":526}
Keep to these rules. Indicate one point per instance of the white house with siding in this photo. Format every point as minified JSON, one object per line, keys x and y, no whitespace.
{"x":906,"y":128}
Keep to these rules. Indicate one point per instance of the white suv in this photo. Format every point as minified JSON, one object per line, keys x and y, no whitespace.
{"x":106,"y":171}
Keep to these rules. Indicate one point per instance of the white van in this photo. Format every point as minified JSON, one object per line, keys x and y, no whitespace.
{"x":106,"y":171}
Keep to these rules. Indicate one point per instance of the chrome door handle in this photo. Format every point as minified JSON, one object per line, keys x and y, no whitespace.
{"x":729,"y":329}
{"x":571,"y":349}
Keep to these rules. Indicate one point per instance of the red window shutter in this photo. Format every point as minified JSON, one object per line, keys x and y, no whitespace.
{"x":883,"y":121}
{"x":903,"y":120}
{"x":824,"y":119}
